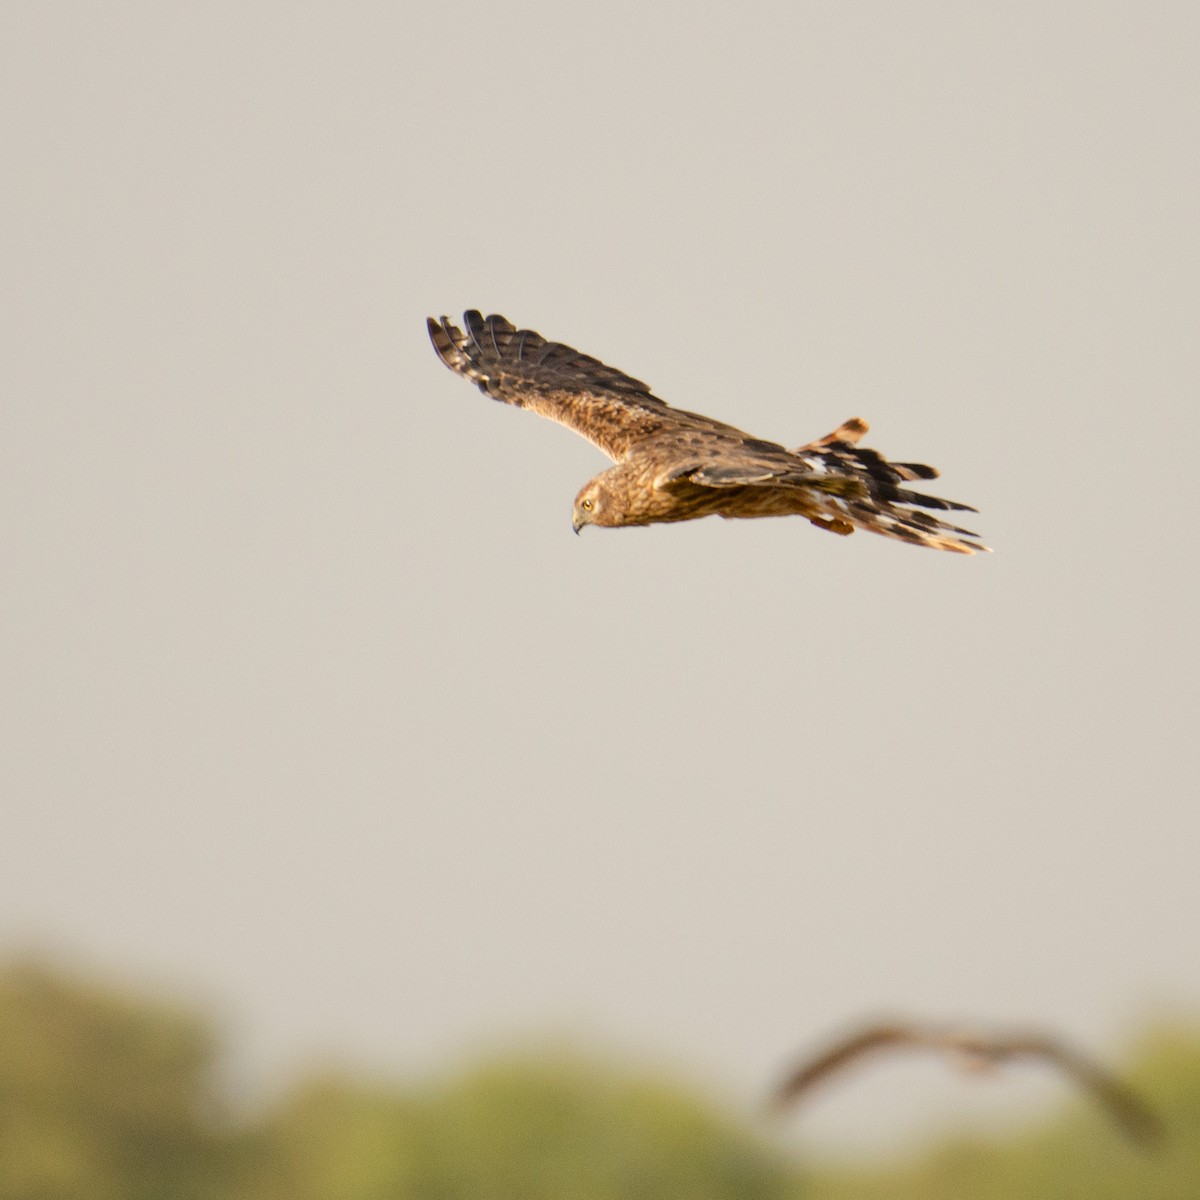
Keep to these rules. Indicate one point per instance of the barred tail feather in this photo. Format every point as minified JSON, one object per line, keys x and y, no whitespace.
{"x":860,"y":489}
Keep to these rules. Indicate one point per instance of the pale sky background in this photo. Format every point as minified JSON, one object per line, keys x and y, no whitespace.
{"x":314,"y":709}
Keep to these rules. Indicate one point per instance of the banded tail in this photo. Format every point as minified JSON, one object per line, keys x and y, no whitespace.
{"x":862,"y":491}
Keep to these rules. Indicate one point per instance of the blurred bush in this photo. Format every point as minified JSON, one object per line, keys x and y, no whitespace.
{"x":101,"y":1097}
{"x":544,"y":1127}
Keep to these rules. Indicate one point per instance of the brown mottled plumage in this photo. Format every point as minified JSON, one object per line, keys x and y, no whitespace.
{"x":673,"y":465}
{"x":976,"y":1051}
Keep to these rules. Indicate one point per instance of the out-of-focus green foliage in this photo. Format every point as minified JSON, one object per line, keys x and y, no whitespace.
{"x":111,"y":1099}
{"x":101,"y":1098}
{"x":537,"y":1129}
{"x":335,"y":1138}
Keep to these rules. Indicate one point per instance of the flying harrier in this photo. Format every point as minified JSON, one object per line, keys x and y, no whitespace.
{"x":673,"y":465}
{"x":976,"y":1051}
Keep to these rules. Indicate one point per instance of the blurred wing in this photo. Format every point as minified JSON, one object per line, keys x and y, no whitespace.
{"x":519,"y":367}
{"x":841,"y":1054}
{"x":1129,"y":1111}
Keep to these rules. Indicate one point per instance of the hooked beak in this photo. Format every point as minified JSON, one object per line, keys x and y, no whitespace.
{"x":576,"y":525}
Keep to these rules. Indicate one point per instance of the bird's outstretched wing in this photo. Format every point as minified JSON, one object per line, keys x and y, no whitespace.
{"x":1130,"y":1112}
{"x":840,"y":1054}
{"x":520,"y":367}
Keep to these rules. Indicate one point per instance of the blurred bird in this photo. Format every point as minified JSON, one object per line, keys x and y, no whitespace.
{"x":976,"y":1051}
{"x":674,"y":465}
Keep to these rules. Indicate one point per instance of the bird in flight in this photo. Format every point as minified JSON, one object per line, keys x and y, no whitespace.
{"x":975,"y":1051}
{"x":673,"y":465}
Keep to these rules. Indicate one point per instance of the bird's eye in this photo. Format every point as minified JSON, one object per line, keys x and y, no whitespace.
{"x":586,"y":505}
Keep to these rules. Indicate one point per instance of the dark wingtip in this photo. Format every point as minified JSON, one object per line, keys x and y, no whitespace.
{"x":916,"y":470}
{"x":443,"y":344}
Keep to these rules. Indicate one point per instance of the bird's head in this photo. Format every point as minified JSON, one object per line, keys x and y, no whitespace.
{"x":589,"y":506}
{"x":612,"y":498}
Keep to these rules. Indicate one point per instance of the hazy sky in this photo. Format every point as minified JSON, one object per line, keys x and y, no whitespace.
{"x":314,"y":708}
